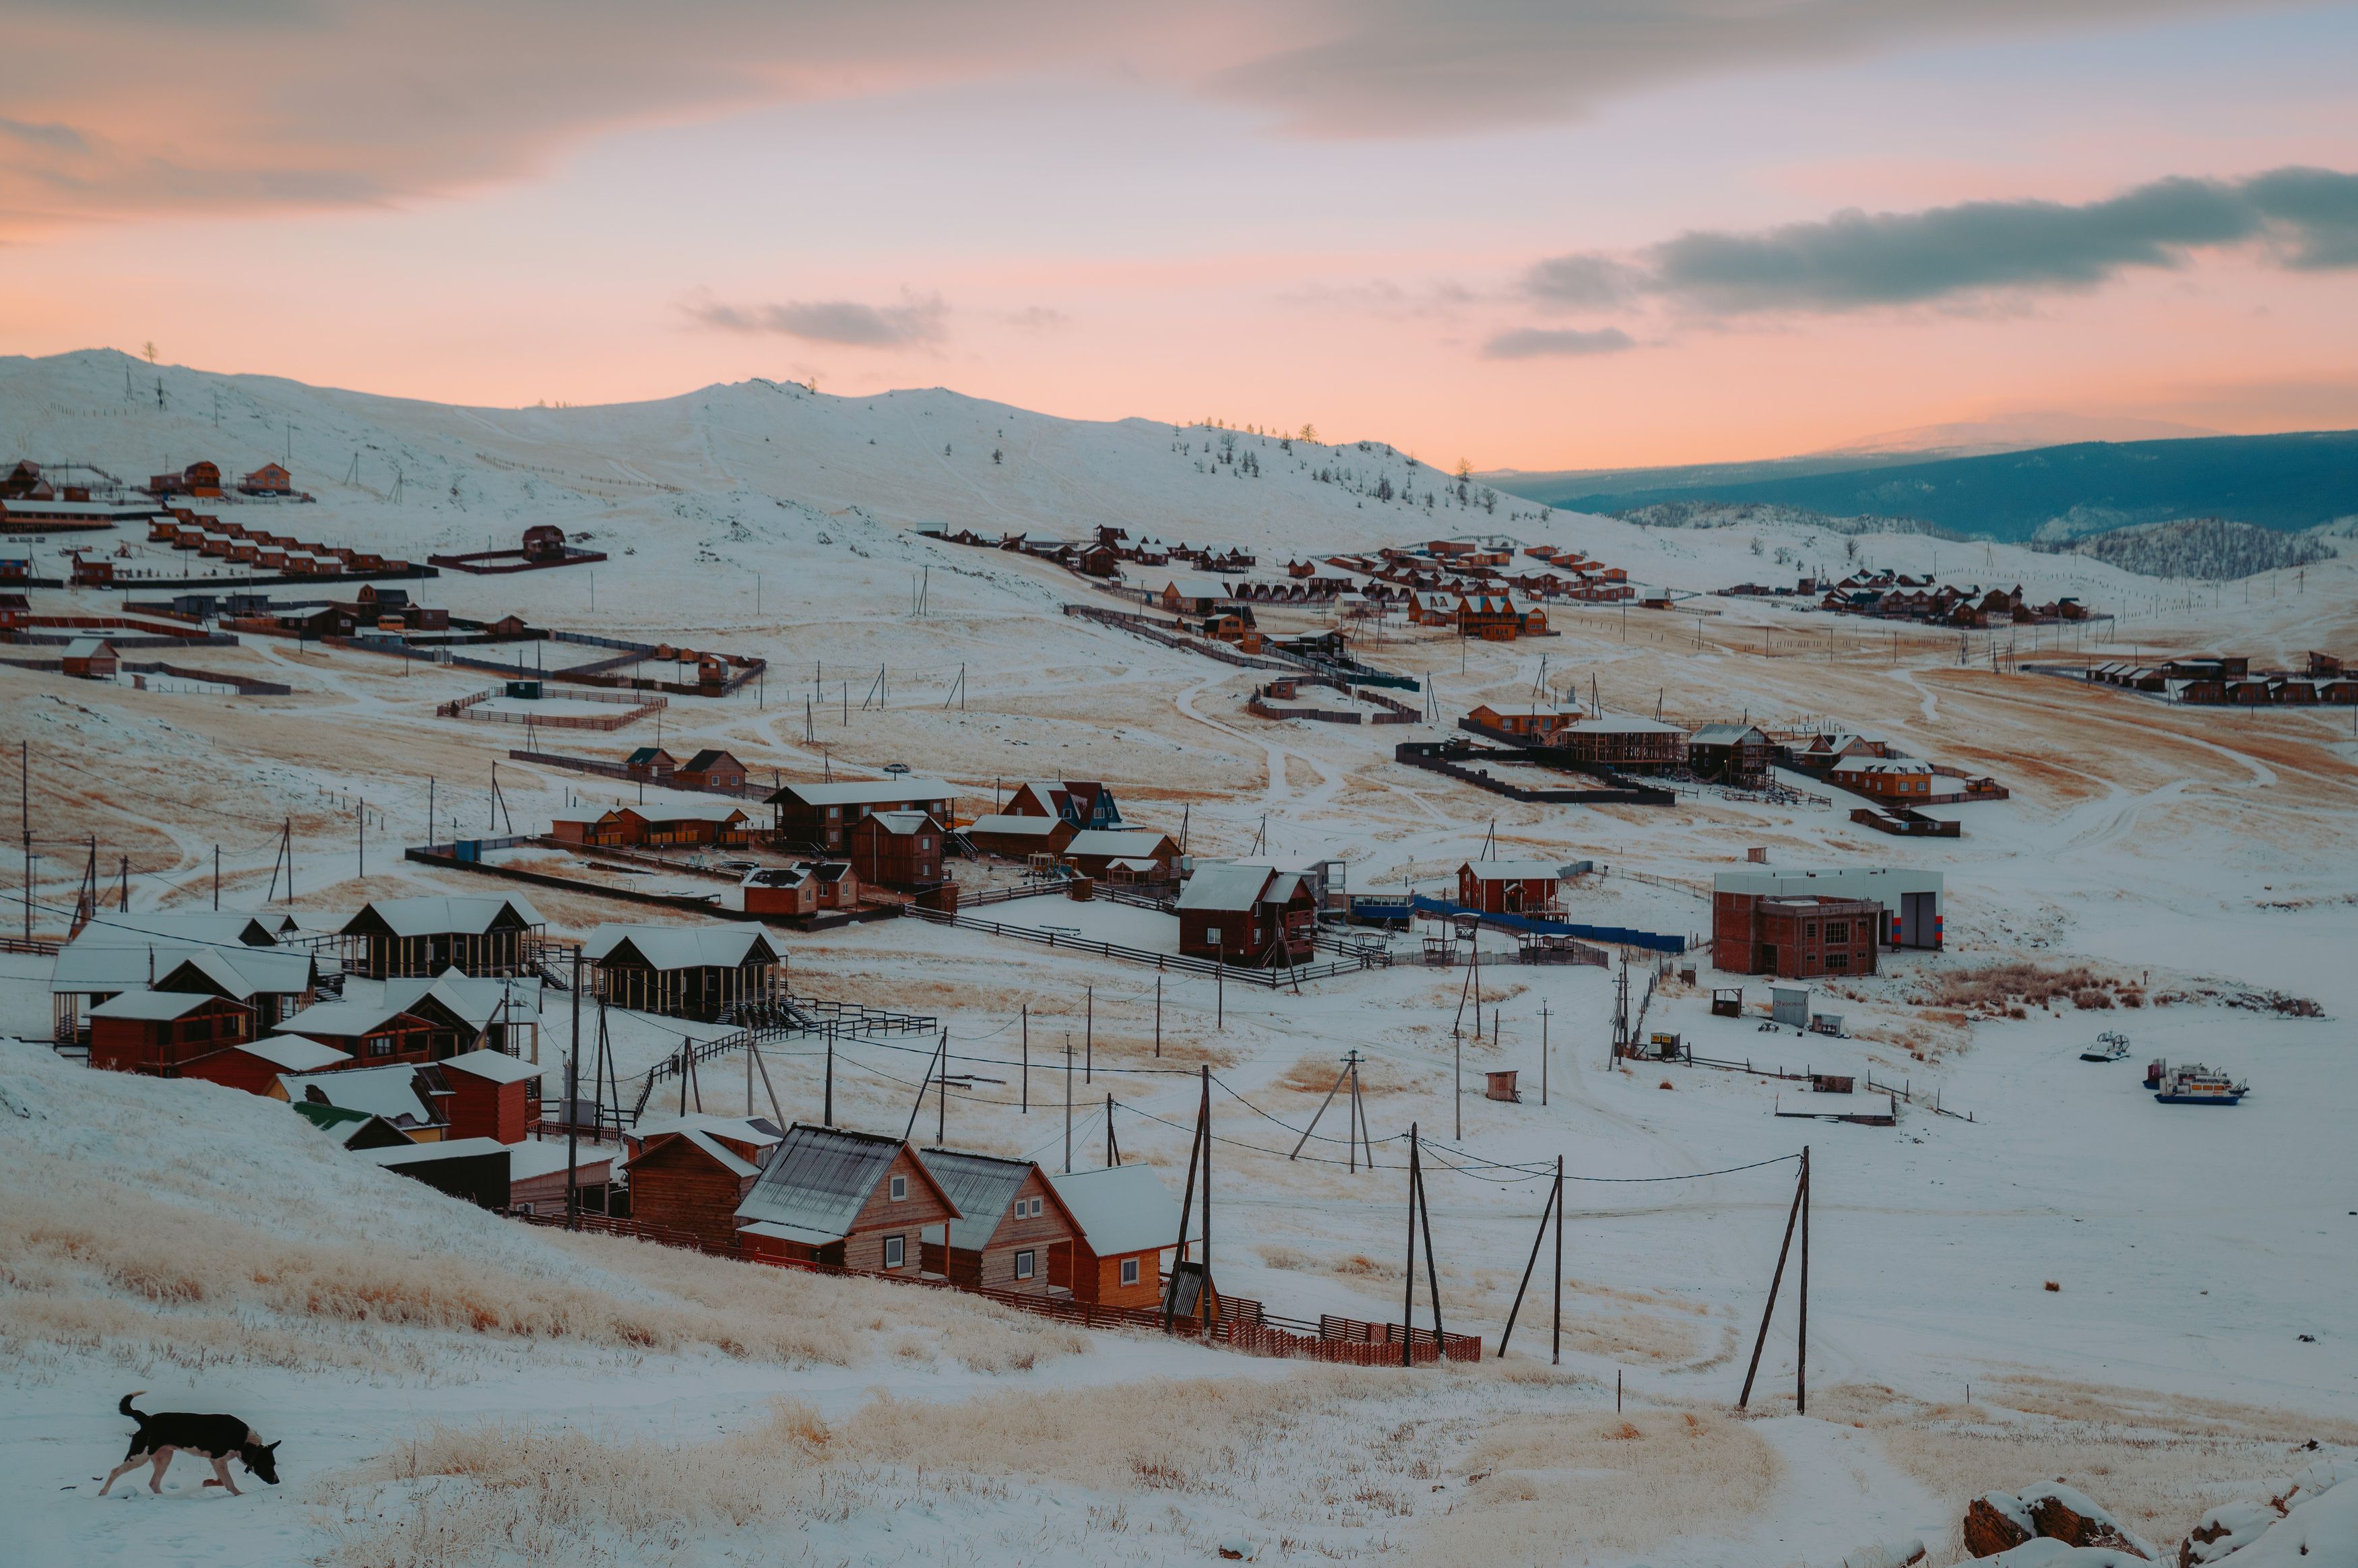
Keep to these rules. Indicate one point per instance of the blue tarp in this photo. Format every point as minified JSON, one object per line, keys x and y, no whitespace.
{"x":1623,"y":936}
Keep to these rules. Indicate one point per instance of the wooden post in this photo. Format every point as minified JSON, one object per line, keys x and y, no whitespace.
{"x":1113,"y":1151}
{"x":1543,"y":1055}
{"x":1205,"y":1295}
{"x":1802,"y":1331}
{"x":573,"y":1109}
{"x":1539,"y":1239}
{"x":1432,"y":1267}
{"x":1089,"y":1036}
{"x":1322,"y":1110}
{"x":1407,"y":1288}
{"x":1027,"y":1059}
{"x":1068,"y":1105}
{"x":1186,"y":1211}
{"x":1556,"y":1354}
{"x":1158,"y":1014}
{"x":942,"y":1104}
{"x":829,"y":1116}
{"x":1769,"y":1311}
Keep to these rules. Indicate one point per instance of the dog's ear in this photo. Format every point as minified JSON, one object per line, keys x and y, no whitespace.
{"x":271,"y":1447}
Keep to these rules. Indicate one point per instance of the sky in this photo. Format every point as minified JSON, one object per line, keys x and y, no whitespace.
{"x":1528,"y":233}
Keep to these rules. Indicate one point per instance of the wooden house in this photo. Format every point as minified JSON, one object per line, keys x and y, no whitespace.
{"x":91,"y":573}
{"x":91,"y":658}
{"x":849,"y":1200}
{"x":160,"y":1032}
{"x":1797,"y":936}
{"x":200,"y":478}
{"x":1018,"y":838}
{"x":1196,"y":596}
{"x":408,"y":1096}
{"x":1533,"y":721}
{"x":472,"y":1170}
{"x":677,"y":827}
{"x":1884,"y":778}
{"x":1510,"y":887}
{"x":1625,"y":743}
{"x":899,"y":850}
{"x":652,"y":764}
{"x":426,"y":936}
{"x":1731,"y":753}
{"x":270,"y":479}
{"x":714,"y":770}
{"x":276,"y":982}
{"x":1149,"y":856}
{"x":820,"y":815}
{"x":255,"y":1065}
{"x":1252,"y":915}
{"x":1011,"y":1220}
{"x":491,"y":1095}
{"x":834,"y":884}
{"x":1124,"y":1219}
{"x":684,"y":971}
{"x":15,"y":611}
{"x":1428,"y":607}
{"x":538,"y":1176}
{"x":378,"y":1033}
{"x":691,"y":1173}
{"x":1084,"y":803}
{"x":130,"y":952}
{"x":1497,"y":618}
{"x":779,"y":890}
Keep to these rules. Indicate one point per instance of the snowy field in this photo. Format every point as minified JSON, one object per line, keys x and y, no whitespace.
{"x":452,"y":1387}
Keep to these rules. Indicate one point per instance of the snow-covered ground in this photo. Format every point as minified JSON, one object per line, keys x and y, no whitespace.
{"x":2200,"y":858}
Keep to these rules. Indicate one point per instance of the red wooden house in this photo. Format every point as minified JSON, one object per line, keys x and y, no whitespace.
{"x":779,"y":890}
{"x":1536,"y":721}
{"x":1124,"y":1219}
{"x":376,"y":1033}
{"x":160,"y":1032}
{"x":1011,"y":1221}
{"x":852,"y":1200}
{"x":1142,"y":854}
{"x":490,"y":1095}
{"x":1018,"y":838}
{"x":1510,"y":887}
{"x":897,"y":850}
{"x":710,"y":769}
{"x":270,"y":479}
{"x":1253,"y":916}
{"x":835,"y":883}
{"x":820,"y":815}
{"x":652,"y":764}
{"x":691,"y":1175}
{"x":255,"y":1065}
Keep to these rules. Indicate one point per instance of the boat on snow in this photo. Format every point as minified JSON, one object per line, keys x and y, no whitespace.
{"x":2110,"y":1046}
{"x":2191,"y":1083}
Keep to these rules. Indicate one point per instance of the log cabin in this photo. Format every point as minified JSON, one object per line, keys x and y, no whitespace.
{"x":684,"y":971}
{"x":1251,"y":915}
{"x":255,"y":1065}
{"x":1010,"y":1222}
{"x":842,"y":1199}
{"x":426,"y":936}
{"x":1020,"y":837}
{"x":1093,"y":852}
{"x":1084,"y":803}
{"x":91,"y":658}
{"x":690,"y":1172}
{"x":714,"y":770}
{"x":490,"y":1095}
{"x":819,"y":815}
{"x":1124,"y":1220}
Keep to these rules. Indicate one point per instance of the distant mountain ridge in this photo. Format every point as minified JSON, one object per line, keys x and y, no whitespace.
{"x":2285,"y":482}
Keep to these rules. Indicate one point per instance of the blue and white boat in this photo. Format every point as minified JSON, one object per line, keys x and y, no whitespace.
{"x":2191,"y":1083}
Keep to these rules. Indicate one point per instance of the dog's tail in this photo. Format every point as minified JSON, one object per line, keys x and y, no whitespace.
{"x":125,"y":1406}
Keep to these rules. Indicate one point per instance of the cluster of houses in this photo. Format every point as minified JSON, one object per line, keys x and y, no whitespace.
{"x":1074,"y":827}
{"x":205,"y":534}
{"x":2229,"y":678}
{"x":1621,"y":742}
{"x":30,"y":500}
{"x":1896,"y":596}
{"x":1104,"y":556}
{"x":1479,"y":567}
{"x":203,"y":481}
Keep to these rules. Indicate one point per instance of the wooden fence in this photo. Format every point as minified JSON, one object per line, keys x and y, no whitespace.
{"x":1271,"y":978}
{"x":638,"y":708}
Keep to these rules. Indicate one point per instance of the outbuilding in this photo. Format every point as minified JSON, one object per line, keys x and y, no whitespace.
{"x":491,"y":1095}
{"x":1510,"y":887}
{"x":91,"y":658}
{"x":1124,"y":1220}
{"x":690,"y":1175}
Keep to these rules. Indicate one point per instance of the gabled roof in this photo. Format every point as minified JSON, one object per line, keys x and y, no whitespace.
{"x":900,"y":824}
{"x":702,"y":1142}
{"x":1225,"y":888}
{"x":681,"y":946}
{"x":820,"y":1178}
{"x":1135,"y":841}
{"x":1728,"y":735}
{"x":547,"y":1157}
{"x":1197,"y":588}
{"x":1515,"y":870}
{"x":152,"y":1006}
{"x":758,"y":1131}
{"x":1122,"y":1209}
{"x":1018,"y":826}
{"x":705,"y":758}
{"x":1882,"y":765}
{"x":397,"y":1155}
{"x":191,"y":928}
{"x":1624,"y":724}
{"x":646,"y":754}
{"x":345,"y":1019}
{"x":431,"y":916}
{"x":87,"y":647}
{"x":863,"y":791}
{"x":982,"y":1186}
{"x":497,"y":1066}
{"x":473,"y":1000}
{"x":396,"y":1092}
{"x":240,"y":973}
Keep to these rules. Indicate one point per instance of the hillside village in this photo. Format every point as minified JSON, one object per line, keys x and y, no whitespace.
{"x":1176,"y":866}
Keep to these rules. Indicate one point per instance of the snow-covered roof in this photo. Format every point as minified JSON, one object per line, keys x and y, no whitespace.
{"x":819,"y":1179}
{"x":706,"y":1144}
{"x":394,"y":1156}
{"x":1515,"y":870}
{"x":682,"y":946}
{"x":155,"y":1007}
{"x":1624,"y":724}
{"x":865,"y":792}
{"x":240,"y":972}
{"x":395,"y":1092}
{"x":758,"y":1131}
{"x":433,"y":915}
{"x":1017,"y":826}
{"x":1122,"y":1209}
{"x":294,"y":1053}
{"x":1132,"y":841}
{"x":899,"y":822}
{"x":87,"y":647}
{"x":1881,"y":765}
{"x":194,"y":928}
{"x":1197,"y":588}
{"x":342,"y":1019}
{"x":1225,"y":888}
{"x":496,"y":1066}
{"x":1725,"y":734}
{"x":477,"y":999}
{"x":546,"y":1157}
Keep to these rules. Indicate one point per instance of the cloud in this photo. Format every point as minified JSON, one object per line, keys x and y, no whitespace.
{"x":915,"y":322}
{"x":1036,"y":319}
{"x":2304,"y":219}
{"x":1542,"y":342}
{"x":339,"y":103}
{"x":58,"y":138}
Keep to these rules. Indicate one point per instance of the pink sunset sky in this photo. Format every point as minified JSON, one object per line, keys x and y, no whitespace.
{"x":1568,"y":235}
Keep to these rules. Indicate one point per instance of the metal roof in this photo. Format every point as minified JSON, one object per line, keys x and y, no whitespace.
{"x":1225,"y":888}
{"x":1122,"y":1209}
{"x":497,"y":1065}
{"x":863,"y":792}
{"x":434,"y":916}
{"x":394,"y":1092}
{"x":156,"y":1007}
{"x":192,"y":928}
{"x":981,"y":1185}
{"x":1017,"y":826}
{"x":819,"y":1179}
{"x":241,"y":972}
{"x":667,"y":947}
{"x":1139,"y":841}
{"x":293,"y":1054}
{"x":400,"y":1154}
{"x":1515,"y":870}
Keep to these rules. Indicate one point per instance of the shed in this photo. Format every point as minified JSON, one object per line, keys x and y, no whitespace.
{"x":1011,"y":1221}
{"x":1124,"y":1220}
{"x":536,"y":1176}
{"x":692,"y":1173}
{"x":91,"y":658}
{"x":490,"y":1095}
{"x":474,"y":1169}
{"x":684,"y":971}
{"x":850,"y":1200}
{"x":781,"y":891}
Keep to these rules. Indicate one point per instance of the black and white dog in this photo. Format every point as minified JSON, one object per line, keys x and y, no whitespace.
{"x":219,"y":1438}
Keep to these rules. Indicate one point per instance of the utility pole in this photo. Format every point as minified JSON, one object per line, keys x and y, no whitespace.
{"x":1069,"y":1103}
{"x":1158,"y":1015}
{"x":573,"y":1109}
{"x":827,"y":1117}
{"x":1089,"y":1036}
{"x":1027,"y":1059}
{"x":25,"y":795}
{"x":1543,"y":1055}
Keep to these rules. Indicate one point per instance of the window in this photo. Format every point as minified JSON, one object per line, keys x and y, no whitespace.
{"x":1023,"y":1264}
{"x":1810,"y":932}
{"x":1212,"y":936}
{"x":1838,"y":961}
{"x":900,"y":1188}
{"x":1838,"y":930}
{"x":1129,"y":1271}
{"x":380,"y":1045}
{"x":834,"y":812}
{"x":925,"y":842}
{"x":896,"y":1250}
{"x":1037,"y":1206}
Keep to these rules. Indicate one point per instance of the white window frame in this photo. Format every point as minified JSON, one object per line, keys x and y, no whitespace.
{"x":1212,"y":934}
{"x":898,"y":1188}
{"x":1026,"y":1261}
{"x":896,"y":1251}
{"x":1129,"y":1271}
